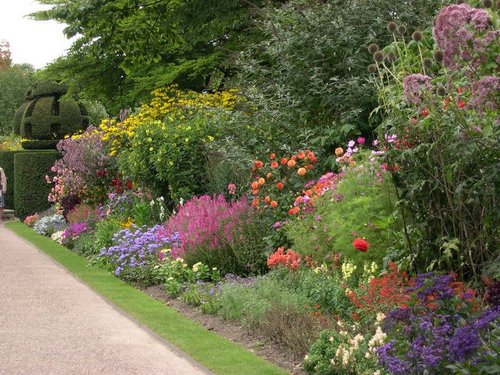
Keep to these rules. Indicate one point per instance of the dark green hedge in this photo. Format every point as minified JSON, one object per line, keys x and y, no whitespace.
{"x":30,"y":186}
{"x":32,"y":144}
{"x":7,"y":163}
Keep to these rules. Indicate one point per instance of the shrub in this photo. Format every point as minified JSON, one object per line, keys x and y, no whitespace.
{"x":221,"y":234}
{"x":86,"y":245}
{"x":309,"y":73}
{"x":349,"y":214}
{"x":266,"y":305}
{"x":31,"y":220}
{"x":31,"y":189}
{"x":84,"y":173}
{"x":72,"y":232}
{"x":440,"y":103}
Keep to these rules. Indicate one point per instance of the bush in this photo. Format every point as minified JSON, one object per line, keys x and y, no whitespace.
{"x":308,"y":73}
{"x":84,"y":173}
{"x":354,"y":207}
{"x":226,"y":235}
{"x":440,"y":102}
{"x":31,"y":189}
{"x":7,"y":163}
{"x":268,"y":306}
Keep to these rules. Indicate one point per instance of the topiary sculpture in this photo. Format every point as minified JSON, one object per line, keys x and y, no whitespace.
{"x":46,"y":117}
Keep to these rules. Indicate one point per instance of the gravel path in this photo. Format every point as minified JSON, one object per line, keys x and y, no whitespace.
{"x":51,"y":323}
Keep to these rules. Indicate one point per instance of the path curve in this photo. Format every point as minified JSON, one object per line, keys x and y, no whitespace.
{"x":52,"y":323}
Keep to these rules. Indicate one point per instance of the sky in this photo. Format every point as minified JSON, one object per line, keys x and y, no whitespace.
{"x":34,"y":42}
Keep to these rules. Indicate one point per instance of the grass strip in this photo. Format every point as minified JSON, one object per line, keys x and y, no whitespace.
{"x":212,"y":351}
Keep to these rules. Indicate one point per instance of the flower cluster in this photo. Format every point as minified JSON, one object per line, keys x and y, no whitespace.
{"x":137,"y":247}
{"x":346,"y":350}
{"x":169,"y":102}
{"x":289,"y":258}
{"x":415,"y":87}
{"x":31,"y":220}
{"x":315,"y":189}
{"x":455,"y":33}
{"x":73,"y":231}
{"x":205,"y":222}
{"x":382,"y":293}
{"x":47,"y":225}
{"x":275,"y":181}
{"x":85,"y":170}
{"x":427,"y":337}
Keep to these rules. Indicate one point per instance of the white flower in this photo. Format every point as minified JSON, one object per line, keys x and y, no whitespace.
{"x":380,"y":317}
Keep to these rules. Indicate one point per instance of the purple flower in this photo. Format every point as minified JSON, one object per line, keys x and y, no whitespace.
{"x":415,"y":86}
{"x":455,"y":30}
{"x":484,"y":94}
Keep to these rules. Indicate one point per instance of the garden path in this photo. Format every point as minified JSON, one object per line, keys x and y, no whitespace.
{"x":51,"y":323}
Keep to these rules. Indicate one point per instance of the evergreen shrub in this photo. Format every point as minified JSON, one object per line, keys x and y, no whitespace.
{"x":30,"y":186}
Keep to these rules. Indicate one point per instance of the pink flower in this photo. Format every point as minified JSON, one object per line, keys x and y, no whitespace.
{"x":361,"y":141}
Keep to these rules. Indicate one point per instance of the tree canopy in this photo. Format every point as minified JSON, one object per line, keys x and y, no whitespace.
{"x":133,"y":46}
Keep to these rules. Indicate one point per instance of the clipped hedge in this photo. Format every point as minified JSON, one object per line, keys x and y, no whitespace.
{"x":30,"y":187}
{"x":7,"y":163}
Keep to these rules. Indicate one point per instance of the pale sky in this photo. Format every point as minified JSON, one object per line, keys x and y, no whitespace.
{"x":33,"y":42}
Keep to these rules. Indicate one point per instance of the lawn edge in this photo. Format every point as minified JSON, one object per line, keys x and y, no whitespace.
{"x":210,"y":350}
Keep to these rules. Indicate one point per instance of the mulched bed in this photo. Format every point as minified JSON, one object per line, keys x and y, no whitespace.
{"x":235,"y":332}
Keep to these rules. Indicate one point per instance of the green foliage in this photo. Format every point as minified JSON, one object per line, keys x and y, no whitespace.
{"x":30,"y":186}
{"x":341,"y":353}
{"x":447,"y":150}
{"x":175,"y":274}
{"x":48,"y":117}
{"x":267,"y":305}
{"x":14,"y":82}
{"x":309,"y":70}
{"x":144,"y":45}
{"x":104,"y":231}
{"x":7,"y":163}
{"x":360,"y":207}
{"x":95,"y":110}
{"x":85,"y":245}
{"x":169,"y":155}
{"x":227,"y":163}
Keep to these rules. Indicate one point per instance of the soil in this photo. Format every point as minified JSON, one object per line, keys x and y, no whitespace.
{"x":235,"y":332}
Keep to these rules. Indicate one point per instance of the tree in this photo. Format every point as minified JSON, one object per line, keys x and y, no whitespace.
{"x":5,"y":55}
{"x":134,"y":46}
{"x":14,"y":83}
{"x":310,"y":70}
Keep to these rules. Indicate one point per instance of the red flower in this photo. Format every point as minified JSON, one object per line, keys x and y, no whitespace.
{"x":360,"y":244}
{"x":460,"y":103}
{"x":258,"y":164}
{"x":425,"y":112}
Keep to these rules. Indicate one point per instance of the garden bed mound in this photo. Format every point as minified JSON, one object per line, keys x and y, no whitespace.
{"x":234,"y":332}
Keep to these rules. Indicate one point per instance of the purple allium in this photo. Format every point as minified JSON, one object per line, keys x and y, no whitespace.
{"x":415,"y":86}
